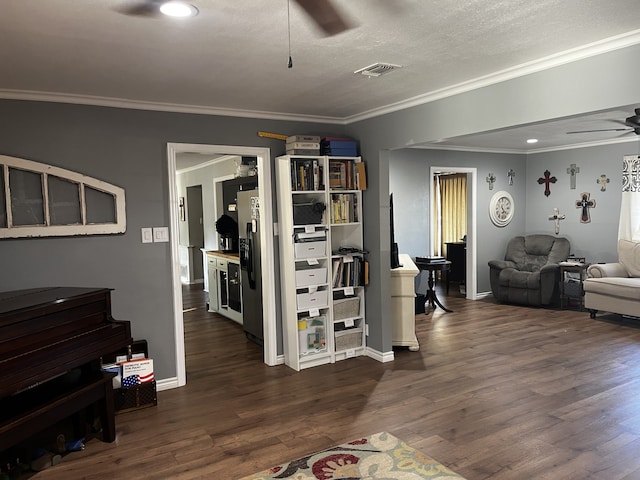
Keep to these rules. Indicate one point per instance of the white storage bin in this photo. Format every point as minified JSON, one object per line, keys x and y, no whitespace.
{"x":311,"y":276}
{"x":304,"y":250}
{"x":306,"y":301}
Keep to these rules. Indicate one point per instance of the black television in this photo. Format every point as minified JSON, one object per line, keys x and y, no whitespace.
{"x":395,"y":261}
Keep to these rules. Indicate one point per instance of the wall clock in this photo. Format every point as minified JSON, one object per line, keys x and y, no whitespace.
{"x":501,"y":208}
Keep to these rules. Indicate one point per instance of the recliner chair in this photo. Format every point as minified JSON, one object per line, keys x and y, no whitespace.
{"x":529,"y":273}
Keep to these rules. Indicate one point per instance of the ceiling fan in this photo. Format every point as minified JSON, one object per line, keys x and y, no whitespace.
{"x":632,"y":124}
{"x":322,"y":12}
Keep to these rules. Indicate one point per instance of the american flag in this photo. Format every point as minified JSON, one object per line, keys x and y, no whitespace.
{"x":132,"y":380}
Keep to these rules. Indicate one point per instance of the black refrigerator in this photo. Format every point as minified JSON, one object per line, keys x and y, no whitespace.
{"x":248,"y":207}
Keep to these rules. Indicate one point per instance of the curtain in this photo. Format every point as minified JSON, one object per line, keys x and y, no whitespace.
{"x":436,"y":216}
{"x":629,"y":228}
{"x":451,"y":201}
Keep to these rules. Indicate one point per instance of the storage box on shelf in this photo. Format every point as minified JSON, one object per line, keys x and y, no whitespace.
{"x":317,"y":224}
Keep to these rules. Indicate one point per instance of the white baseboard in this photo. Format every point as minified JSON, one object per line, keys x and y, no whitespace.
{"x":483,"y":295}
{"x":167,"y":384}
{"x":380,"y":356}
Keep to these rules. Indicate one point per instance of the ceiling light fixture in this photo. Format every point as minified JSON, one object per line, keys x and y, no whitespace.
{"x":532,"y":140}
{"x":178,"y":9}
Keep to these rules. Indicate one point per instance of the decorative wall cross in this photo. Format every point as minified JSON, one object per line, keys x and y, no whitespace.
{"x":602,"y":181}
{"x":585,"y":204}
{"x":490,"y":179}
{"x":511,"y":173}
{"x":573,"y":170}
{"x":556,"y":217}
{"x":547,"y":179}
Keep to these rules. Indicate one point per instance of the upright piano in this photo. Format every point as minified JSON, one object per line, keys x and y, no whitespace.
{"x":51,"y":341}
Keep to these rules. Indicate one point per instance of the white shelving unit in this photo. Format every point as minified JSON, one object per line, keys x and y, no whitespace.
{"x":322,"y":265}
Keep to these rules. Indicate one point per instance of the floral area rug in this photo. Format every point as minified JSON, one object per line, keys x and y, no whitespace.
{"x":378,"y":457}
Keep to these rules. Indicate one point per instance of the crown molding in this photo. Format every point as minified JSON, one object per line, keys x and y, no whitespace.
{"x":568,"y":56}
{"x":579,"y":53}
{"x":160,"y":107}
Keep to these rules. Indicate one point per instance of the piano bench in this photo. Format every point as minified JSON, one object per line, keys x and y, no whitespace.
{"x":18,"y":425}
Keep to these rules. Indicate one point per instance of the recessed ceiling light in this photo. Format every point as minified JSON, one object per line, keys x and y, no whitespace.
{"x":532,"y":140}
{"x":178,"y":9}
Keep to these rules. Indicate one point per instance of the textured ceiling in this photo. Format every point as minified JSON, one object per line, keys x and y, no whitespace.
{"x":233,"y":55}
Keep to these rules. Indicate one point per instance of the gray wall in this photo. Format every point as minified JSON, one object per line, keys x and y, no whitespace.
{"x":206,"y":176}
{"x":126,"y":148}
{"x":596,"y":83}
{"x":410,"y":183}
{"x":595,"y":240}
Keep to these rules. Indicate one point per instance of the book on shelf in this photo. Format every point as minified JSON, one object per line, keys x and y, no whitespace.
{"x":432,"y":259}
{"x":303,"y":138}
{"x":339,"y":152}
{"x":303,"y":146}
{"x":361,"y":176}
{"x":306,"y":175}
{"x":339,"y":147}
{"x":305,"y":151}
{"x":343,"y":174}
{"x":351,"y":273}
{"x":344,"y":208}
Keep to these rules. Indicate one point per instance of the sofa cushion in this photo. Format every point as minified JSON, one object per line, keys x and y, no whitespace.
{"x":629,"y":256}
{"x":620,"y":287}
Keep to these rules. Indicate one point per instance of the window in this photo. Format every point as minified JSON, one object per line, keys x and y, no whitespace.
{"x":38,"y":200}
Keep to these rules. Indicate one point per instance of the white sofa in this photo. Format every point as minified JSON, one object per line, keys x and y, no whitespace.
{"x":615,"y":287}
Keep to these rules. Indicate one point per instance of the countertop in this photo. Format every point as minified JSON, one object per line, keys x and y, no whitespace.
{"x":220,"y":253}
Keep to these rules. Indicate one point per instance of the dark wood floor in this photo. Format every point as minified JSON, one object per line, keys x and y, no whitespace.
{"x":495,"y":392}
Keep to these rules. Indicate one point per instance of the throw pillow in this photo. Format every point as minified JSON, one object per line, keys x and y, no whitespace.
{"x":629,"y":256}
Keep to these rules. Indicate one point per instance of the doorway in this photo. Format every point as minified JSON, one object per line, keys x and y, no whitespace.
{"x":471,"y":280}
{"x":266,"y":236}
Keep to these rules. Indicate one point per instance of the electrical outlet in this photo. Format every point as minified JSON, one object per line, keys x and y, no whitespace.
{"x":160,"y":234}
{"x":147,"y":234}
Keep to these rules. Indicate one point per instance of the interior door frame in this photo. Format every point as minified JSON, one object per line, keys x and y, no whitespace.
{"x":472,"y":223}
{"x":266,"y":237}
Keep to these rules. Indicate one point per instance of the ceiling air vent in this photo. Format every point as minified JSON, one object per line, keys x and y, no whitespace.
{"x":378,"y":69}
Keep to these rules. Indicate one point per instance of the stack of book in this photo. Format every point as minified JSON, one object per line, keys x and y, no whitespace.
{"x":434,"y":259}
{"x":339,"y":147}
{"x":306,"y":174}
{"x":347,"y":174}
{"x":303,"y":145}
{"x":349,"y":272}
{"x":344,"y":208}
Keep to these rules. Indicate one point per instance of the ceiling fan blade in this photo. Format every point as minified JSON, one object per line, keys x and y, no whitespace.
{"x":603,"y":130}
{"x":144,"y":8}
{"x":325,"y":15}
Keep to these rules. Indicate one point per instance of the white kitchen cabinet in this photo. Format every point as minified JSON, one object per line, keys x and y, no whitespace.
{"x":223,"y":272}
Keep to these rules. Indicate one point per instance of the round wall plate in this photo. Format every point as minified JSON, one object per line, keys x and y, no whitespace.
{"x":501,"y":208}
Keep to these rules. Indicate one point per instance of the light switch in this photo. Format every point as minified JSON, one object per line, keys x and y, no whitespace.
{"x":147,"y":234}
{"x":160,"y":234}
